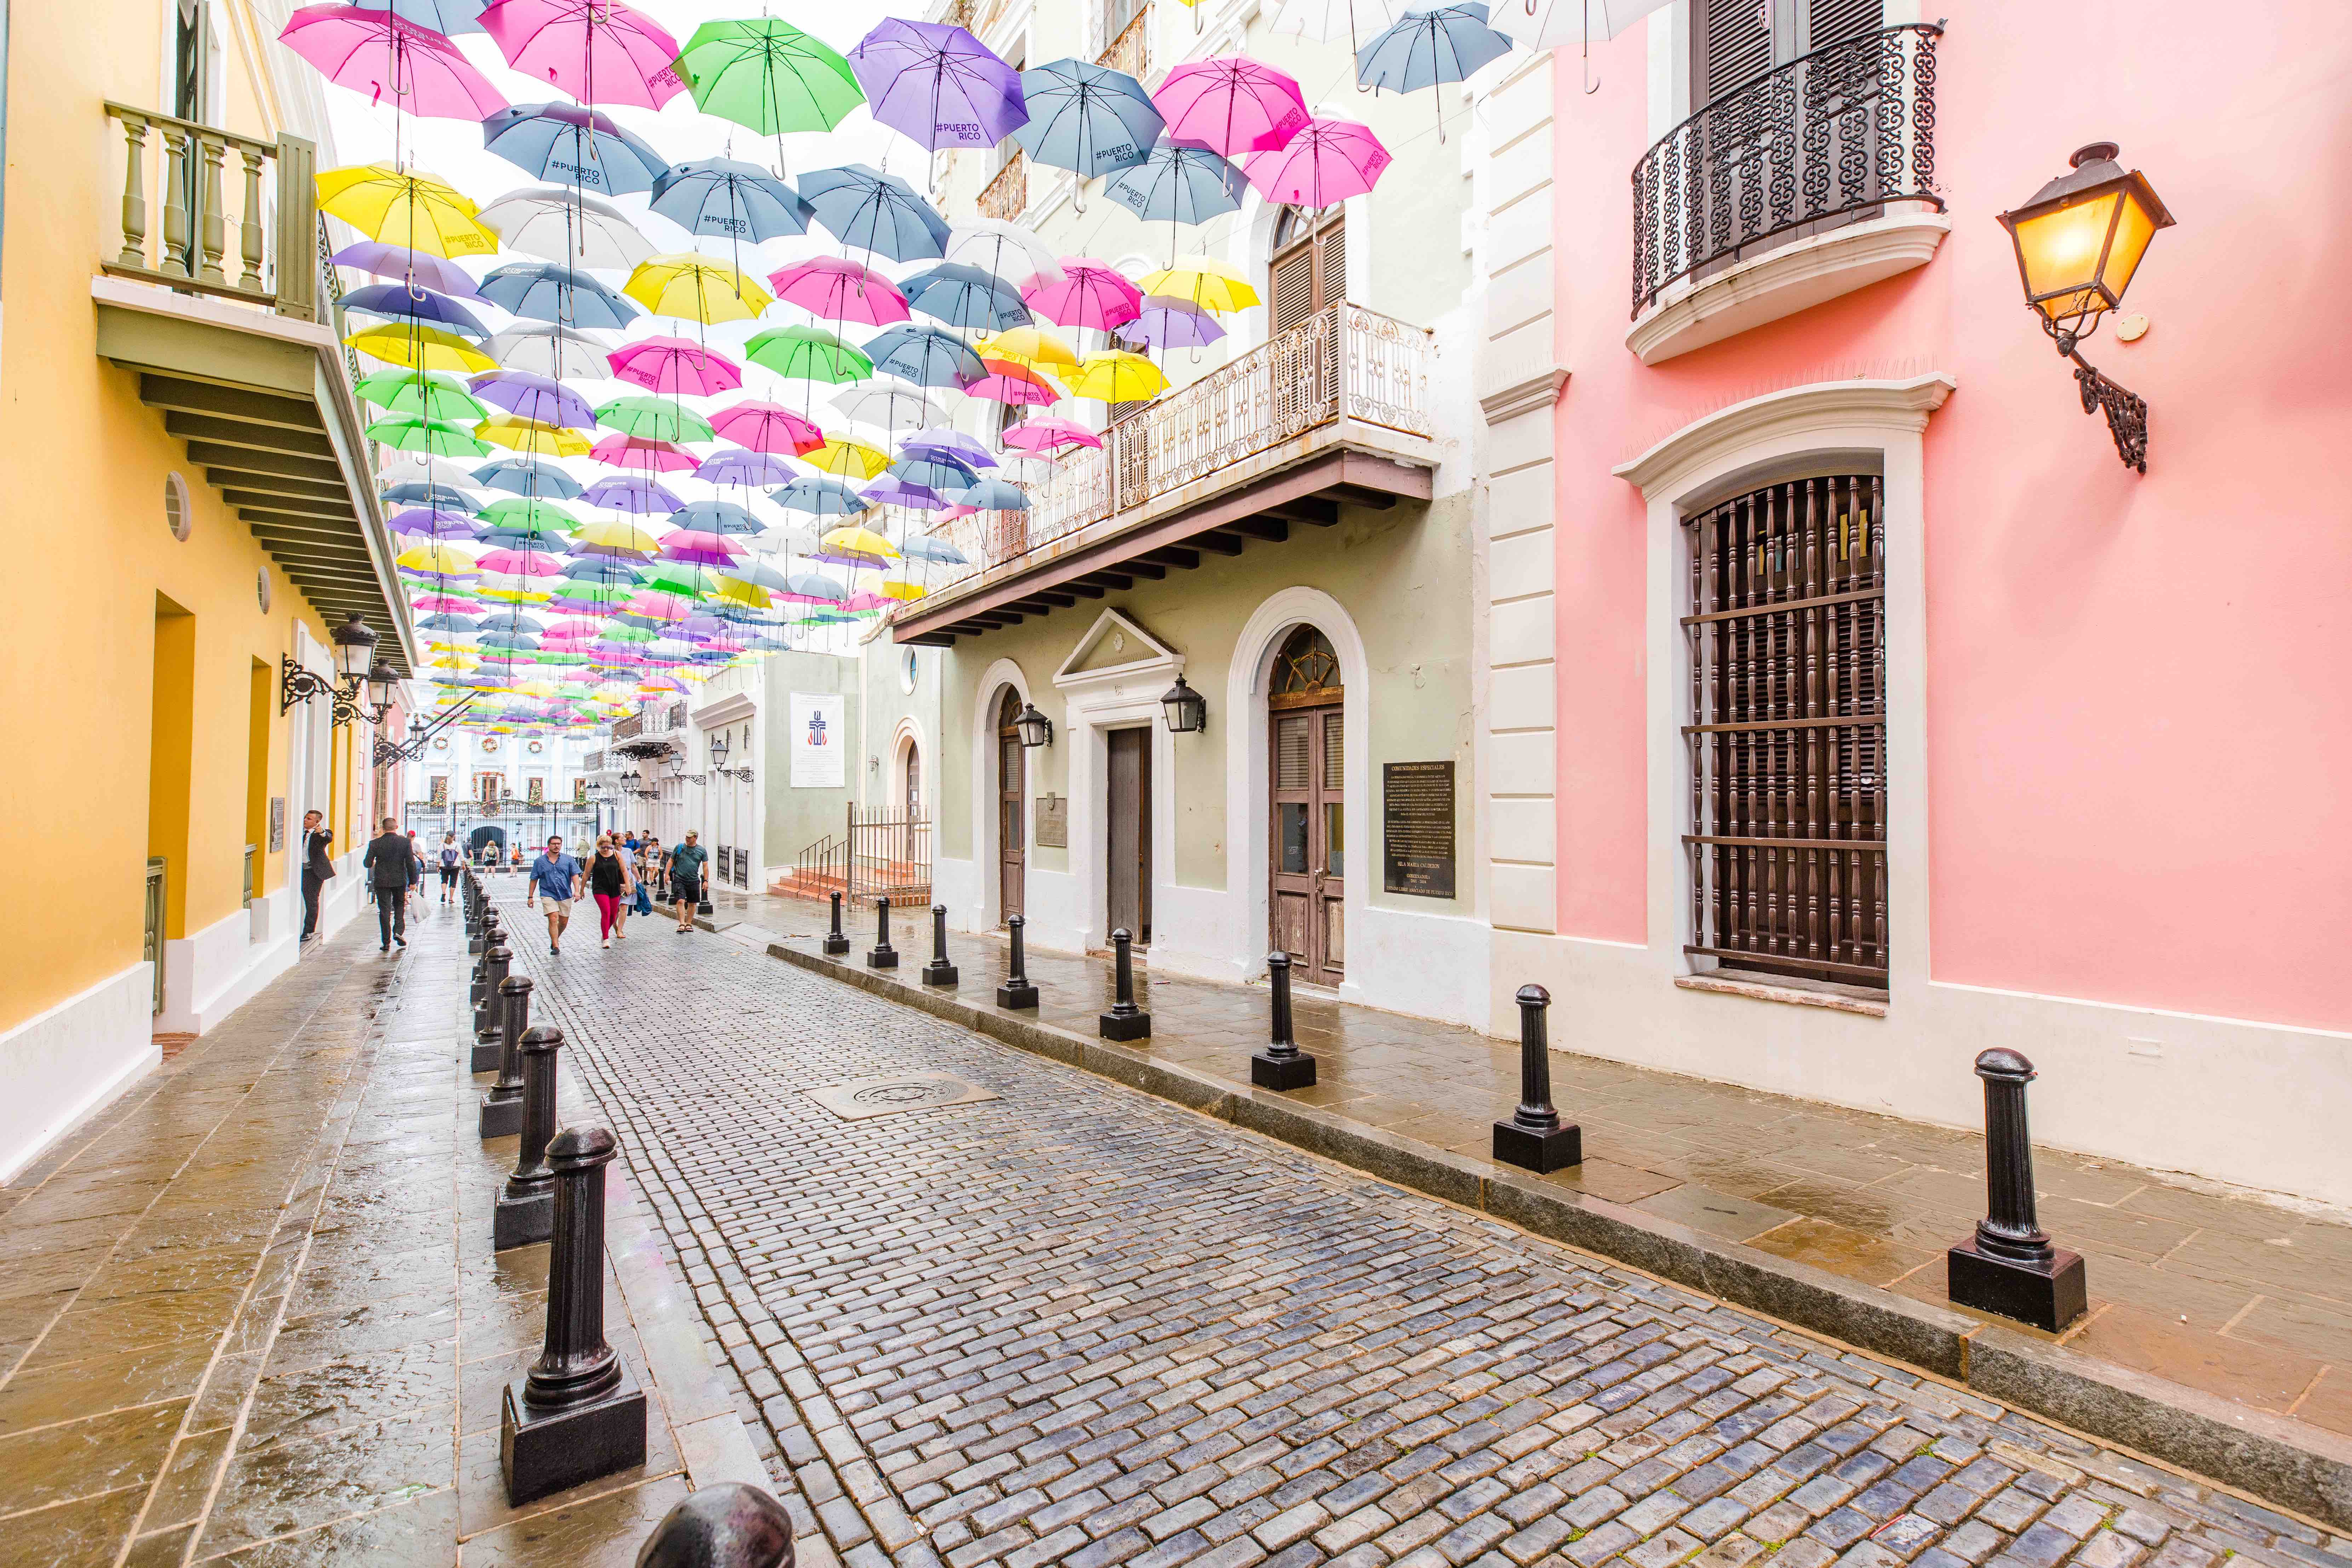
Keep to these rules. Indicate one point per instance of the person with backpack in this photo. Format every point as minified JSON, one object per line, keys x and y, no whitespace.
{"x":685,"y":863}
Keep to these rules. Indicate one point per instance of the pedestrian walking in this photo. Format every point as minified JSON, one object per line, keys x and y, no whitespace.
{"x":392,"y":868}
{"x":685,"y":878}
{"x":611,"y":881}
{"x":645,"y":901}
{"x":452,"y":860}
{"x":656,"y":869}
{"x":317,"y":867}
{"x":415,"y":889}
{"x":556,"y":875}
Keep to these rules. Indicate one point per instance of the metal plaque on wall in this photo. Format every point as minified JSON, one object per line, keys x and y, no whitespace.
{"x":1417,"y":828}
{"x":276,"y":823}
{"x":1052,"y":823}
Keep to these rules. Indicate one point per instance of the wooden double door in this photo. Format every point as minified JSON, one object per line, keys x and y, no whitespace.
{"x":1309,"y":840}
{"x":1127,"y":858}
{"x":1012,"y":834}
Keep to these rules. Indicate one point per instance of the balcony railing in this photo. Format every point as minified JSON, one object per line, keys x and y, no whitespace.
{"x":266,"y":196}
{"x":1006,"y":195}
{"x":1129,"y":49}
{"x":1343,"y":363}
{"x":1835,"y":133}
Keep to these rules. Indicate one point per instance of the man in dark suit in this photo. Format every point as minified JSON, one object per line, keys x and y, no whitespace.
{"x":392,"y":865}
{"x":318,"y":864}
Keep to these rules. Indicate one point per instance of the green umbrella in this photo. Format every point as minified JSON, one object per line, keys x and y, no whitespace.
{"x":655,"y":419}
{"x":529,"y":513}
{"x":769,"y":75}
{"x":428,"y":397}
{"x":686,"y":582}
{"x":406,"y":433}
{"x":807,"y":353}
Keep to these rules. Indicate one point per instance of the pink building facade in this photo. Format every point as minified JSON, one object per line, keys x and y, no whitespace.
{"x":2070,"y":740}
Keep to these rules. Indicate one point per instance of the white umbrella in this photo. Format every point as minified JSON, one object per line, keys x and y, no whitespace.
{"x":1326,"y":20}
{"x":1566,"y":24}
{"x":890,"y":405}
{"x":537,"y":223}
{"x":1005,"y":249}
{"x":417,"y":468}
{"x":569,"y":354}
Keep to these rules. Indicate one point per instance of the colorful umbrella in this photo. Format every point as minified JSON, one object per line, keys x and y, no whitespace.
{"x":380,"y":53}
{"x":768,"y":75}
{"x":1030,"y":346}
{"x":1205,"y":283}
{"x":599,"y":51}
{"x":1328,"y":161}
{"x":529,"y":397}
{"x":554,"y":350}
{"x":551,"y":291}
{"x":766,"y":428}
{"x":566,"y":227}
{"x":655,"y":419}
{"x":410,"y":392}
{"x":880,"y":213}
{"x":414,"y":212}
{"x":648,"y":456}
{"x":409,"y":266}
{"x":415,"y":302}
{"x":1018,"y":384}
{"x":1231,"y":104}
{"x":1428,"y":46}
{"x":676,"y":366}
{"x":821,"y":496}
{"x":965,"y":296}
{"x":842,"y":456}
{"x":693,"y":287}
{"x":1049,"y":435}
{"x":420,"y":348}
{"x":924,"y":356}
{"x":840,"y":291}
{"x":1091,"y":294}
{"x":1115,"y":376}
{"x":564,"y":144}
{"x":1171,"y":323}
{"x":531,"y":436}
{"x":527,"y":514}
{"x":1179,"y":184}
{"x":736,"y":466}
{"x":1088,"y":118}
{"x":937,"y":84}
{"x":733,"y":201}
{"x":527,"y":475}
{"x":632,"y":493}
{"x":607,"y":536}
{"x":807,"y":353}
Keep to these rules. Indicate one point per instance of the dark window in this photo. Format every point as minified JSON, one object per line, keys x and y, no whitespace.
{"x":1735,"y":41}
{"x":1788,"y":737}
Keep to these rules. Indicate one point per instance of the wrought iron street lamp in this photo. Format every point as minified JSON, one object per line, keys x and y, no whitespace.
{"x":383,"y":690}
{"x":1187,"y":709}
{"x":719,"y":748}
{"x":412,"y":749}
{"x":354,"y":654}
{"x":2079,"y":241}
{"x":677,"y":769}
{"x":1036,"y":730}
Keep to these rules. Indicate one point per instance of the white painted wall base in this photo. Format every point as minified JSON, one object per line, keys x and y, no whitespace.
{"x":2257,"y":1105}
{"x":209,"y":975}
{"x":57,"y":1066}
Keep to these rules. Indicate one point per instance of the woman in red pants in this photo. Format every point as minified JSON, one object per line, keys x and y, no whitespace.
{"x":611,"y":882}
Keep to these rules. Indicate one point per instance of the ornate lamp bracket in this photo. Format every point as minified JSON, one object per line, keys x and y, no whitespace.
{"x":2127,"y":411}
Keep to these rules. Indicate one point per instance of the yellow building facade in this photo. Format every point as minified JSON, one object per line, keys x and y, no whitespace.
{"x":189,"y":510}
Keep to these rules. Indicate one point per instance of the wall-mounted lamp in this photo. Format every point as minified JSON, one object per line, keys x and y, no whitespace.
{"x":2078,"y":242}
{"x":1187,"y":709}
{"x":1036,"y":730}
{"x":719,"y":747}
{"x":354,"y":654}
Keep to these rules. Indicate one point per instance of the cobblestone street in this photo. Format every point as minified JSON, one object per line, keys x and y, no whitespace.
{"x":1074,"y":1324}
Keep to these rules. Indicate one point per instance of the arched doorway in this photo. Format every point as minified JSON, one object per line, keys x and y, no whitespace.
{"x":1306,"y":840}
{"x":1012,"y":790}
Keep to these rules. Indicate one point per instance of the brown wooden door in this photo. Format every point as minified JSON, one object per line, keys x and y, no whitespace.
{"x":1012,"y":837}
{"x":1309,"y":842}
{"x":1128,"y":857}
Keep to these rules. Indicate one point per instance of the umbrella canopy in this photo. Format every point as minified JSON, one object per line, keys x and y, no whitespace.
{"x":420,"y":348}
{"x":1204,"y":282}
{"x":1231,"y":104}
{"x":551,"y":291}
{"x":386,"y":55}
{"x":415,"y":302}
{"x":1049,"y":435}
{"x":415,"y":392}
{"x":1015,"y":384}
{"x":528,"y":395}
{"x":406,"y":433}
{"x":449,"y":17}
{"x":840,"y":291}
{"x":768,"y":75}
{"x":562,"y":226}
{"x":730,"y":200}
{"x":1431,"y":45}
{"x":1032,"y":346}
{"x":807,"y":353}
{"x":531,"y":436}
{"x":1179,"y":184}
{"x":887,"y":402}
{"x":953,"y":444}
{"x":1556,"y":24}
{"x":939,"y":85}
{"x":527,"y":512}
{"x":599,"y":51}
{"x":924,"y":356}
{"x":414,"y":211}
{"x":722,"y":518}
{"x":965,"y":296}
{"x":655,"y":418}
{"x":696,"y":288}
{"x":674,"y":365}
{"x":1116,"y":376}
{"x":1005,"y":249}
{"x":868,"y":210}
{"x":409,"y":266}
{"x":1091,"y":294}
{"x":1328,"y":161}
{"x":554,"y":350}
{"x":1086,"y":118}
{"x":566,"y":145}
{"x":1171,"y":323}
{"x":1326,"y":20}
{"x":446,"y":498}
{"x":604,"y":538}
{"x":939,"y":552}
{"x":632,"y":493}
{"x":736,"y":466}
{"x":993,"y":495}
{"x":423,"y":523}
{"x":645,"y":456}
{"x":766,"y":428}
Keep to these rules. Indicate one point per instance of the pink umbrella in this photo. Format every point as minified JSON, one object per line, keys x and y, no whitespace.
{"x":839,"y":291}
{"x":599,"y":51}
{"x":673,"y":364}
{"x":1231,"y":104}
{"x":767,"y":427}
{"x":443,"y":605}
{"x":955,"y":512}
{"x":1328,"y":161}
{"x":1043,"y":434}
{"x":1090,"y":294}
{"x":648,"y":456}
{"x":655,"y":607}
{"x":701,"y":549}
{"x":520,"y":563}
{"x":567,"y":631}
{"x":1020,"y":390}
{"x":378,"y":53}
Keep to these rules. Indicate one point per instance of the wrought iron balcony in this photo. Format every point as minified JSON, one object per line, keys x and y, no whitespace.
{"x":1006,"y":197}
{"x":1129,"y":49}
{"x":1830,"y":135}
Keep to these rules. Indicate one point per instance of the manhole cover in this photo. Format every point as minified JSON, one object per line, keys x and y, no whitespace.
{"x":864,"y":1096}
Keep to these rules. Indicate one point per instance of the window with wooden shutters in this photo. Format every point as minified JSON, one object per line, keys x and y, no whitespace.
{"x":1740,"y":41}
{"x":1788,"y":731}
{"x":1310,"y":267}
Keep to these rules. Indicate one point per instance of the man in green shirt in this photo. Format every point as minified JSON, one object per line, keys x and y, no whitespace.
{"x":686,"y":863}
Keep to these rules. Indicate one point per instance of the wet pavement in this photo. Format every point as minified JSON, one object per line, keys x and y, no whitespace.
{"x":250,"y":1309}
{"x":1066,"y":1322}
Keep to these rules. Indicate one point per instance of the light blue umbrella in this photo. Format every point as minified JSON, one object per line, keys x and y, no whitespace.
{"x":816,"y":493}
{"x":445,"y":622}
{"x":414,"y":492}
{"x":965,"y":296}
{"x":721,"y":517}
{"x":1430,"y":44}
{"x":399,"y":303}
{"x":993,"y":495}
{"x":737,"y":466}
{"x":730,"y":199}
{"x":953,"y":444}
{"x":1179,"y":184}
{"x":1088,"y":118}
{"x":939,"y":552}
{"x":939,"y":474}
{"x":528,"y":477}
{"x":551,"y":291}
{"x":868,"y":210}
{"x":632,"y":493}
{"x":565,"y":144}
{"x":924,"y":356}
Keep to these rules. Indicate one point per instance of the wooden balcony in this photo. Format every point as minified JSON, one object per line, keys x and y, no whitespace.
{"x":1006,"y":197}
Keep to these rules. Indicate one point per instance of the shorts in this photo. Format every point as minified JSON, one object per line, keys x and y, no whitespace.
{"x":448,"y":876}
{"x":685,"y":891}
{"x":557,"y":906}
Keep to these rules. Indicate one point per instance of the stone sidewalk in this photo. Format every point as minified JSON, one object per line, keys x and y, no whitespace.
{"x":250,"y":1309}
{"x":2240,"y":1299}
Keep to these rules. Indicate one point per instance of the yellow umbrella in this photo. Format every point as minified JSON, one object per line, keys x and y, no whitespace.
{"x":1115,"y":376}
{"x":736,"y":591}
{"x":851,"y":539}
{"x":618,"y":533}
{"x":434,"y":557}
{"x":1207,"y":282}
{"x":420,"y":348}
{"x":415,"y":211}
{"x":904,"y":591}
{"x":695,"y":286}
{"x":531,"y":436}
{"x":515,"y":591}
{"x":1030,"y":346}
{"x":844,"y":457}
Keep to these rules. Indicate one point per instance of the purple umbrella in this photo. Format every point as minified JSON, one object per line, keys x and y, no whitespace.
{"x":937,"y":84}
{"x":632,"y":493}
{"x":399,"y":261}
{"x":1168,"y":322}
{"x":734,"y":466}
{"x":526,"y":395}
{"x":427,"y":523}
{"x":892,"y":490}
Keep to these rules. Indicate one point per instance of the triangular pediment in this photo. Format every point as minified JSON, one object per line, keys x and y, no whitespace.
{"x":1115,"y":645}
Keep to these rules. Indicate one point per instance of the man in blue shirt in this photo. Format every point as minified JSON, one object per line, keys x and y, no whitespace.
{"x":555,"y":875}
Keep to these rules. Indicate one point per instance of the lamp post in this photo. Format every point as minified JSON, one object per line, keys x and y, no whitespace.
{"x":2078,"y":243}
{"x":1187,"y":709}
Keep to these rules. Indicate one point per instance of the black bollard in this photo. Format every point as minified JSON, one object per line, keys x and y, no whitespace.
{"x":503,"y":1106}
{"x":526,"y":1211}
{"x":882,"y":955}
{"x":2008,"y":1267}
{"x":484,"y":987}
{"x":938,"y":971}
{"x":1535,"y":1139}
{"x":487,"y":1015}
{"x":1017,"y":991}
{"x":577,"y":1414}
{"x":836,"y":941}
{"x":730,"y":1524}
{"x":1125,"y":1021}
{"x":1281,"y":1064}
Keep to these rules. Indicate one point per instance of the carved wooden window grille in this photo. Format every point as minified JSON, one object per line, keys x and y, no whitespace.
{"x":1788,"y":737}
{"x":1306,"y":672}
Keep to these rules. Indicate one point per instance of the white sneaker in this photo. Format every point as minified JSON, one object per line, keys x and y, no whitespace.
{"x":608,"y":942}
